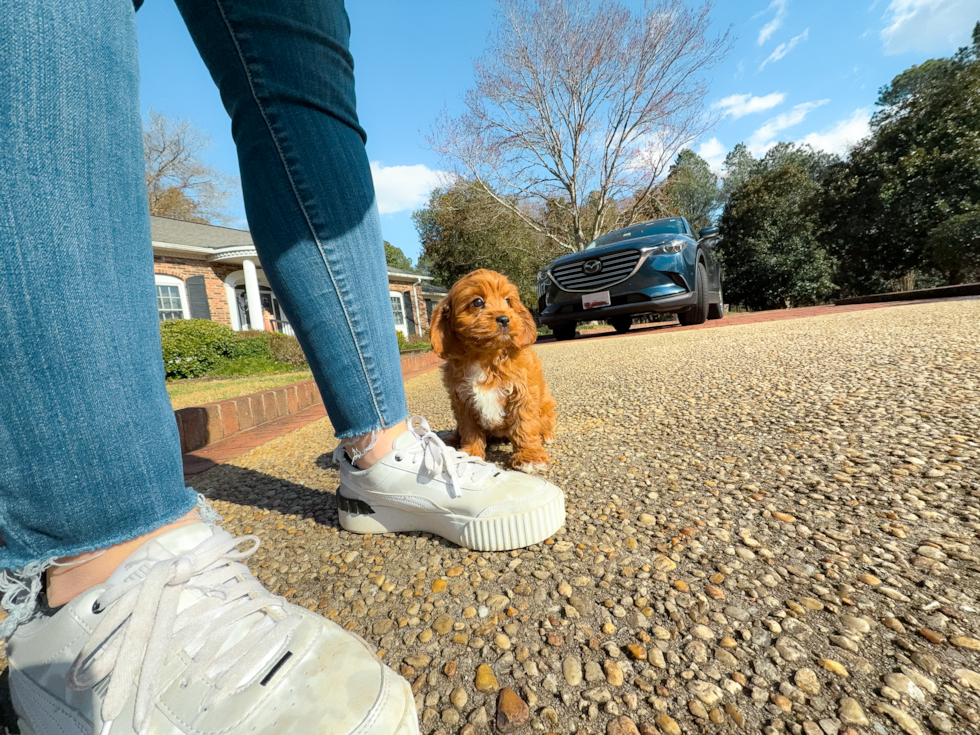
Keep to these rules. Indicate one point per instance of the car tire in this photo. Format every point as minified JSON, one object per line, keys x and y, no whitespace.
{"x":621,"y":324}
{"x":717,"y":311}
{"x":564,"y":332}
{"x":698,"y":314}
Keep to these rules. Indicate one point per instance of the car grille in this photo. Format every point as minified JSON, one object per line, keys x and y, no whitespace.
{"x":615,"y":268}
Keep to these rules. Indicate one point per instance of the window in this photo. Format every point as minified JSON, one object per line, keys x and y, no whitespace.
{"x":168,"y":303}
{"x":398,"y":308}
{"x":171,"y":298}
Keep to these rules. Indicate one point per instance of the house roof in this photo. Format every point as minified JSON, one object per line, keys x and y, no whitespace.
{"x":165,"y":231}
{"x":211,"y":240}
{"x":430,"y":289}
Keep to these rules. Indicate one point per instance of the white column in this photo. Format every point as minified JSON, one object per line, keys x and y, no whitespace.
{"x":252,"y":296}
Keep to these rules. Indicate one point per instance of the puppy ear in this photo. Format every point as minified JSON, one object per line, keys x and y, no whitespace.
{"x":441,"y":329}
{"x":527,"y":333}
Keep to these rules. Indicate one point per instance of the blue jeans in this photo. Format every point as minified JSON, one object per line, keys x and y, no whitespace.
{"x":89,"y":452}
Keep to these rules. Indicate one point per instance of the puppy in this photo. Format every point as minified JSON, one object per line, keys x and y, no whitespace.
{"x":493,"y":376}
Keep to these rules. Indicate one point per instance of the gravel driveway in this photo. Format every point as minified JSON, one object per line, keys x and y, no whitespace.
{"x":771,"y":528}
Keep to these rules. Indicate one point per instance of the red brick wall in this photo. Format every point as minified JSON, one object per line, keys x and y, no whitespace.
{"x":418,"y":306}
{"x":214,"y":280}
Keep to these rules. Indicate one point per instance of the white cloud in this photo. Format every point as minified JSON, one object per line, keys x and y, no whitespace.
{"x":928,"y":26}
{"x":713,"y":151}
{"x":763,"y":139}
{"x":739,"y":105}
{"x":772,"y":26}
{"x":842,"y":136}
{"x":784,"y":48}
{"x":403,"y":187}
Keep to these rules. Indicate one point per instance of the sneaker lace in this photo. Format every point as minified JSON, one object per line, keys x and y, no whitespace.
{"x":144,"y":628}
{"x":438,"y":458}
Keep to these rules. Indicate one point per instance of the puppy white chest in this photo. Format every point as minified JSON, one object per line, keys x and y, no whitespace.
{"x":486,"y":402}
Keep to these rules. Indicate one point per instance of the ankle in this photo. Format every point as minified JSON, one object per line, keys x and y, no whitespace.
{"x":380,"y":448}
{"x":76,"y":574}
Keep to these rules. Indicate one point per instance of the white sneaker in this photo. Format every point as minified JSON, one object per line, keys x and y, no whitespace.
{"x":183,"y":639}
{"x":423,"y":485}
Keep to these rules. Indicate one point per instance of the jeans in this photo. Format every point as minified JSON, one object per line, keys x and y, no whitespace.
{"x":89,"y":451}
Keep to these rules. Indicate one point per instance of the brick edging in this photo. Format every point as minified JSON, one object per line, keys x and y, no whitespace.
{"x":940,"y":292}
{"x":199,"y":426}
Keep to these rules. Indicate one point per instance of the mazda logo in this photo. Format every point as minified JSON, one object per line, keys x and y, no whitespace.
{"x":591,"y":267}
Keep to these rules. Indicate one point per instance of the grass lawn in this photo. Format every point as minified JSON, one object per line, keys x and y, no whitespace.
{"x":184,"y":393}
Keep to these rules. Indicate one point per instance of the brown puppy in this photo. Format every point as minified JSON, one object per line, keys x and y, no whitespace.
{"x":493,"y":376}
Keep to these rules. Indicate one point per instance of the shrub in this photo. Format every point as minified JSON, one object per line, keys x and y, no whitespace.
{"x":250,"y":344}
{"x":191,"y":347}
{"x":286,"y":349}
{"x":402,"y":342}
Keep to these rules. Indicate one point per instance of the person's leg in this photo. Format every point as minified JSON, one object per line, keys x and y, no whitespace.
{"x":286,"y":78}
{"x":90,"y":454}
{"x":89,"y":446}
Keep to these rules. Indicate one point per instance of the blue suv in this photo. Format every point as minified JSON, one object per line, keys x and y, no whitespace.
{"x":658,"y":266}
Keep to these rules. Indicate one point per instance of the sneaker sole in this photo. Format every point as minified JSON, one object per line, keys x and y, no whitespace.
{"x":501,"y":533}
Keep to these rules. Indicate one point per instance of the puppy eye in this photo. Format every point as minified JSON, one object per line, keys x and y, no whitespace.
{"x":478,"y":303}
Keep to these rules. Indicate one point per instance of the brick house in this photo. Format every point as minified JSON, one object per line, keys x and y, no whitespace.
{"x":207,"y":272}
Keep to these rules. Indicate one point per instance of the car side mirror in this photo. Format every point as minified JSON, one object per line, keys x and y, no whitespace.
{"x":707,"y":232}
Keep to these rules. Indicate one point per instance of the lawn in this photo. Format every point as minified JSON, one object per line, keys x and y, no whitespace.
{"x":184,"y":393}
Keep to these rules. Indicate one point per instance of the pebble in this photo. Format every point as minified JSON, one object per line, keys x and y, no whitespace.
{"x":667,"y":724}
{"x":486,"y":681}
{"x":622,"y":726}
{"x":902,"y":719}
{"x":967,"y":678}
{"x":613,"y":672}
{"x":850,"y":712}
{"x":963,"y":642}
{"x":512,"y":711}
{"x":833,"y":667}
{"x":941,"y":722}
{"x":807,"y":681}
{"x":707,"y":692}
{"x":703,"y":632}
{"x":572,"y":669}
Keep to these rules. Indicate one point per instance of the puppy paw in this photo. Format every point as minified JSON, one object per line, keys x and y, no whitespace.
{"x":474,"y":450}
{"x":530,"y":469}
{"x":549,"y":437}
{"x":530,"y":460}
{"x":451,"y":438}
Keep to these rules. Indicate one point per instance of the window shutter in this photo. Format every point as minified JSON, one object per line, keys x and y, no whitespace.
{"x":197,"y":297}
{"x":409,"y":313}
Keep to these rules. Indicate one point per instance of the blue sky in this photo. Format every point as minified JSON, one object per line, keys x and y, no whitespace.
{"x":799,"y":71}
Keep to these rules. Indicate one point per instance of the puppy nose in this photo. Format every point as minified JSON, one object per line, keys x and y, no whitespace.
{"x":503,"y":320}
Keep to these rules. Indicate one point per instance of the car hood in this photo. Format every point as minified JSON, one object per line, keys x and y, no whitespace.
{"x":631,"y":243}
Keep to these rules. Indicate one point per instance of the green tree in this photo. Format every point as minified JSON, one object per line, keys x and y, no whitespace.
{"x":462,"y":228}
{"x":913,"y":182}
{"x":692,"y":189}
{"x":736,"y":170}
{"x":769,"y":248}
{"x":815,"y":163}
{"x":396,"y":258}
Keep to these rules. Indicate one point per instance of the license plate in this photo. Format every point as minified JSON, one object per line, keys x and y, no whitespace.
{"x":595,"y":300}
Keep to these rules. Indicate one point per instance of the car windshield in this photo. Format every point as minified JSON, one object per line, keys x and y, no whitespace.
{"x":672,"y":226}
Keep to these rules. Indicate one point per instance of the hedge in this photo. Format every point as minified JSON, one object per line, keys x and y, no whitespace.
{"x":192,"y":348}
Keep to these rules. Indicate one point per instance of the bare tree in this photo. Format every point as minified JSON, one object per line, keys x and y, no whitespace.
{"x":180,"y":185}
{"x":579,"y":106}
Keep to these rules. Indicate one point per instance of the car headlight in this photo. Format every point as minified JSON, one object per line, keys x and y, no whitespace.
{"x":674,"y":246}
